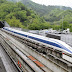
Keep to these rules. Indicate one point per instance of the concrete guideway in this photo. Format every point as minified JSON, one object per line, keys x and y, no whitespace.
{"x":8,"y":64}
{"x":55,"y":64}
{"x":51,"y":61}
{"x":2,"y":68}
{"x":36,"y":65}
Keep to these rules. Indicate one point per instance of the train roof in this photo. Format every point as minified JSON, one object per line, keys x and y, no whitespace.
{"x":61,"y":43}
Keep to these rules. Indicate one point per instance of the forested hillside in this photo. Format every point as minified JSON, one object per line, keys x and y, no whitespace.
{"x":41,"y":9}
{"x":30,"y":15}
{"x":17,"y":15}
{"x":54,"y":15}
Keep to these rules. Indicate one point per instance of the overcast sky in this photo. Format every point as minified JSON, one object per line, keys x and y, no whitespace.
{"x":67,"y":3}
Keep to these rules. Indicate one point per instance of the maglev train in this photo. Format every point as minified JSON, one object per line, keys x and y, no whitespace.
{"x":58,"y":44}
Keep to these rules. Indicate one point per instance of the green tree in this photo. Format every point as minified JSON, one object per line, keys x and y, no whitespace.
{"x":17,"y":15}
{"x":2,"y":1}
{"x":21,"y":15}
{"x":46,"y":25}
{"x":15,"y":22}
{"x":64,"y":25}
{"x":28,"y":13}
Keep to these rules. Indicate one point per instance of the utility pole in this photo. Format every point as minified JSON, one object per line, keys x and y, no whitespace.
{"x":62,"y":18}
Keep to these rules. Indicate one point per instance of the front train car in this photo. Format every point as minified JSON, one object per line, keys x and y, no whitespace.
{"x":57,"y":44}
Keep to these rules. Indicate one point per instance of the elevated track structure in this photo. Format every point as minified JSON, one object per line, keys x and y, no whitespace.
{"x":32,"y":56}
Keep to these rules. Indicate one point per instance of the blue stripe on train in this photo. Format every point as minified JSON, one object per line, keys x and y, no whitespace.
{"x":41,"y":40}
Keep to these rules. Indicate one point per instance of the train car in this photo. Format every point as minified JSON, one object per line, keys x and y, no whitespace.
{"x":57,"y":44}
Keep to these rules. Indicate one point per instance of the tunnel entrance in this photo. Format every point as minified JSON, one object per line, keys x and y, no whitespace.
{"x":1,"y":24}
{"x":4,"y":24}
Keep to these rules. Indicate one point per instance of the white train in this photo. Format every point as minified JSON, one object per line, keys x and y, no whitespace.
{"x":57,"y":44}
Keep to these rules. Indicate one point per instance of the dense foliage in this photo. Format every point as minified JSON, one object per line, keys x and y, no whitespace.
{"x":54,"y":15}
{"x":26,"y":15}
{"x":17,"y":15}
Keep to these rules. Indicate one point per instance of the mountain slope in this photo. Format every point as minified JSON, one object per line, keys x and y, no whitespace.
{"x":51,"y":14}
{"x":41,"y":9}
{"x":54,"y":15}
{"x":57,"y":15}
{"x":18,"y":15}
